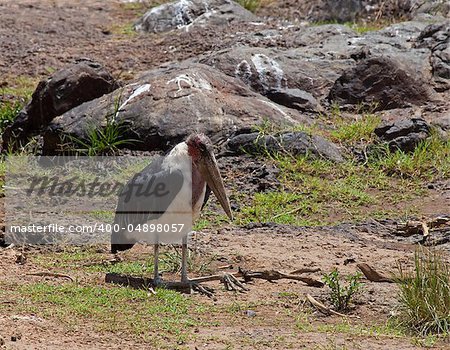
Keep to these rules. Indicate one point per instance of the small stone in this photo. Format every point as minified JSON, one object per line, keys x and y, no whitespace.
{"x":250,"y":313}
{"x":16,"y":337}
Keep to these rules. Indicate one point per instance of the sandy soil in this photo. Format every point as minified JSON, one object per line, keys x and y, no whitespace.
{"x":38,"y":37}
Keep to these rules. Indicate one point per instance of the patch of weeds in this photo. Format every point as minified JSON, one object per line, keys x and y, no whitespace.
{"x":342,"y":295}
{"x":124,"y":29}
{"x":313,"y":187}
{"x":424,"y":293}
{"x":360,"y":130}
{"x":101,"y":141}
{"x":251,"y":5}
{"x":8,"y":113}
{"x":112,"y":309}
{"x":280,"y":207}
{"x":429,"y":160}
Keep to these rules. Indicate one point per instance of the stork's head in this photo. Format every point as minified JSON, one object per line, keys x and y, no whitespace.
{"x":200,"y":149}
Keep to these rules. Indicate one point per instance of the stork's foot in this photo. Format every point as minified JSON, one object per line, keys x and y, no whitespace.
{"x":232,"y":283}
{"x":197,"y":287}
{"x":157,"y":281}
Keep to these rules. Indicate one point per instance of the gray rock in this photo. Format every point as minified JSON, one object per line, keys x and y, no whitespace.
{"x":266,"y":69}
{"x":295,"y":143}
{"x":64,"y":90}
{"x":166,"y":104}
{"x":295,"y":98}
{"x":436,"y":37}
{"x":185,"y":13}
{"x":431,"y":7}
{"x":380,"y":81}
{"x":404,"y":134}
{"x":317,"y":56}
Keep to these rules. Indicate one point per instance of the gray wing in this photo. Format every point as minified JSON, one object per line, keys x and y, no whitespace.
{"x":145,"y":197}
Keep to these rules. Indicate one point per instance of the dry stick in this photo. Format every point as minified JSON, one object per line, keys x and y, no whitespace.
{"x":305,"y":270}
{"x":326,"y":310}
{"x":50,"y":274}
{"x":287,"y":212}
{"x":373,"y":275}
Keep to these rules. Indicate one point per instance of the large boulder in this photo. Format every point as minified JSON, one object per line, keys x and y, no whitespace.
{"x":166,"y":104}
{"x":316,"y":57}
{"x":273,"y":72}
{"x":64,"y":90}
{"x":382,"y":82}
{"x":185,"y":13}
{"x":295,"y":143}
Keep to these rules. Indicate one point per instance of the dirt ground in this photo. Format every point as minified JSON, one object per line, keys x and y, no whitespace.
{"x":277,"y":306}
{"x":38,"y":37}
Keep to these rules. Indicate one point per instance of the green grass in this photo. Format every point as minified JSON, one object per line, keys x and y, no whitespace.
{"x":113,"y":309}
{"x":384,"y":183}
{"x":312,"y":188}
{"x":360,"y":130}
{"x":8,"y":113}
{"x":101,"y":141}
{"x":13,"y":98}
{"x":424,"y":293}
{"x":93,"y":260}
{"x":358,"y":27}
{"x":251,"y":5}
{"x":305,"y":323}
{"x":430,"y":160}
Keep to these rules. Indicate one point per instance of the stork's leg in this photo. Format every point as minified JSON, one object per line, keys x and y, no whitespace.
{"x":156,"y":277}
{"x":184,"y":254}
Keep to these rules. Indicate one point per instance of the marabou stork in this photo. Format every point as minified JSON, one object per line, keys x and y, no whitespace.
{"x":188,"y":173}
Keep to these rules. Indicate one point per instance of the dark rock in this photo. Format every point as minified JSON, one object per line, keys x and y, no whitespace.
{"x":183,"y":14}
{"x":166,"y":104}
{"x":295,"y":98}
{"x":436,"y":37}
{"x":16,"y":336}
{"x":64,"y":90}
{"x":295,"y":143}
{"x":404,"y":134}
{"x":380,"y":81}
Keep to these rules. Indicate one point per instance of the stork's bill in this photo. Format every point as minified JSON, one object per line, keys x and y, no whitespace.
{"x":201,"y":151}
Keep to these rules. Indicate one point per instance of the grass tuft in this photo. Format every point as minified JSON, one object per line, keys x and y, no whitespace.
{"x":8,"y":113}
{"x":424,"y":293}
{"x":429,"y":160}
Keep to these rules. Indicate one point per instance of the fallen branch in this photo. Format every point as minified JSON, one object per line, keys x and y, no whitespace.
{"x":272,"y":275}
{"x":325,"y":310}
{"x":305,"y":270}
{"x":373,"y":275}
{"x":145,"y":283}
{"x":50,"y":274}
{"x":230,"y":280}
